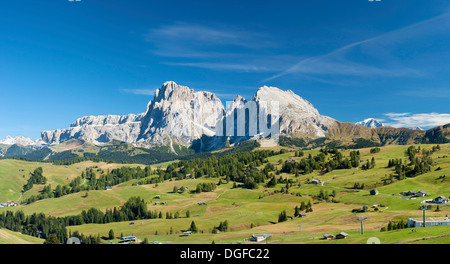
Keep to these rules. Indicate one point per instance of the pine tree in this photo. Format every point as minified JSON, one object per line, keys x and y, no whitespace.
{"x":193,"y":227}
{"x":296,"y":211}
{"x":302,"y":206}
{"x":52,"y":239}
{"x":111,"y":234}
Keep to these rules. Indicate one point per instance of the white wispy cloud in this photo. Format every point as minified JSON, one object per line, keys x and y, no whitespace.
{"x":431,"y":92}
{"x":378,"y":48}
{"x":139,"y":91}
{"x":201,"y":35}
{"x":216,"y":47}
{"x":225,"y":66}
{"x":424,"y":120}
{"x":199,"y":41}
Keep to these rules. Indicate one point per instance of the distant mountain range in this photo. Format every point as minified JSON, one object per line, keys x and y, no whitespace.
{"x":179,"y":118}
{"x":374,"y":123}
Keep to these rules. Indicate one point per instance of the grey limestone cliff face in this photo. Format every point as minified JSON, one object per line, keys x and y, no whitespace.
{"x":296,"y":115}
{"x":98,"y":129}
{"x":283,"y":112}
{"x":181,"y":115}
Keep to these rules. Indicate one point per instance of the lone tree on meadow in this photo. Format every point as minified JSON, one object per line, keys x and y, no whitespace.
{"x":193,"y":227}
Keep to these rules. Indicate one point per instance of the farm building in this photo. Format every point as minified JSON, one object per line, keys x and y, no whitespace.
{"x":259,"y":237}
{"x":414,"y":193}
{"x":9,"y":204}
{"x":440,"y":200}
{"x":328,"y":236}
{"x":128,"y":239}
{"x":108,"y":188}
{"x":422,"y":193}
{"x":429,"y":221}
{"x":315,"y":181}
{"x":341,"y":235}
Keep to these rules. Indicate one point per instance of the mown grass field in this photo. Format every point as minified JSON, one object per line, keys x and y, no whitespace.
{"x":15,"y":173}
{"x":253,"y":211}
{"x":9,"y":237}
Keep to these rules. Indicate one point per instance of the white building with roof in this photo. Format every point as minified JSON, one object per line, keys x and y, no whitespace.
{"x":429,"y":221}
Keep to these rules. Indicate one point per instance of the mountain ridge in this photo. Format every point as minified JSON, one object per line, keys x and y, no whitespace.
{"x":178,"y":115}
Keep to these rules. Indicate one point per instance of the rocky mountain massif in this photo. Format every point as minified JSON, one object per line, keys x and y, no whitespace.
{"x":181,"y":115}
{"x":179,"y":118}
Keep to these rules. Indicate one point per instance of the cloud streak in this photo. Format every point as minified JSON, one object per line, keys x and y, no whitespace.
{"x":139,"y":91}
{"x":198,"y":41}
{"x":340,"y":62}
{"x":424,"y":120}
{"x":220,"y":48}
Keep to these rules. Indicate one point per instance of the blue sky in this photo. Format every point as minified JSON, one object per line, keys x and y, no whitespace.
{"x":352,"y":59}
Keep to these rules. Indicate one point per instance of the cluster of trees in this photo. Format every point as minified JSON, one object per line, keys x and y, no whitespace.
{"x":369,"y":164}
{"x":319,"y":162}
{"x":417,"y":165}
{"x":40,"y":225}
{"x":297,"y":210}
{"x":110,"y":178}
{"x":79,"y":159}
{"x":393,"y":225}
{"x":303,"y":207}
{"x":238,"y":167}
{"x":282,"y":217}
{"x":223,"y":227}
{"x":298,"y":153}
{"x":394,"y":162}
{"x":36,"y":177}
{"x":420,"y":166}
{"x":375,"y":150}
{"x":358,"y":185}
{"x":175,"y":189}
{"x":135,"y":208}
{"x":323,"y":195}
{"x":205,"y":187}
{"x":412,"y":151}
{"x":37,"y":224}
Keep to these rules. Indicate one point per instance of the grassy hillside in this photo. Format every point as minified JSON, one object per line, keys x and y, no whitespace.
{"x":9,"y":237}
{"x":15,"y":173}
{"x":252,"y":211}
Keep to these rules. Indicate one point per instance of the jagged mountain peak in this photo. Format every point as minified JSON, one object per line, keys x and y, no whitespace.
{"x":370,"y":122}
{"x":180,"y":114}
{"x":168,"y":90}
{"x":21,"y":140}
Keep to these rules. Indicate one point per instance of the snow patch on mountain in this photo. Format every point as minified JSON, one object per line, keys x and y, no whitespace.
{"x":23,"y":141}
{"x":370,"y":122}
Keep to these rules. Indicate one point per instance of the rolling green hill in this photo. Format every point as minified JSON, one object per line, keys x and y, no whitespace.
{"x":249,"y":204}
